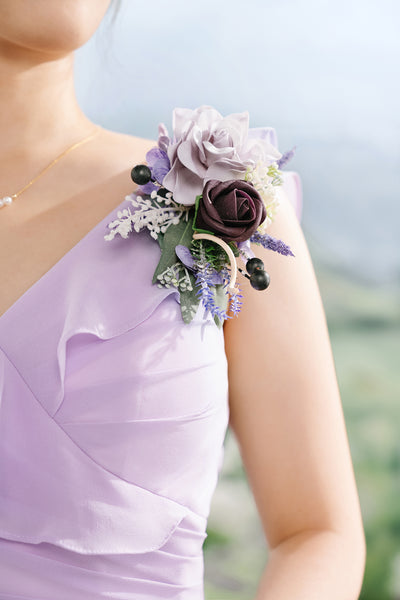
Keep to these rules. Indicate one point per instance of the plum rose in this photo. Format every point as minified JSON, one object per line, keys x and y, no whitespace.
{"x":231,"y":209}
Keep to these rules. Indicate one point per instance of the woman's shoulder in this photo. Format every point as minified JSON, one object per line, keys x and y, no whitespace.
{"x":124,"y":147}
{"x":281,"y":333}
{"x":104,"y":172}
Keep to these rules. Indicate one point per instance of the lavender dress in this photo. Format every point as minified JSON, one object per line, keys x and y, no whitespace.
{"x":113,"y":414}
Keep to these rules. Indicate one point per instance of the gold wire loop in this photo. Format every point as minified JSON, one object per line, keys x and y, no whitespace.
{"x":213,"y":238}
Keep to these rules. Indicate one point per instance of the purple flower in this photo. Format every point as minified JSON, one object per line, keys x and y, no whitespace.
{"x":231,"y":209}
{"x":185,"y":256}
{"x":270,"y":243}
{"x":206,"y":146}
{"x":206,"y":293}
{"x":235,"y":303}
{"x":286,"y":157}
{"x":159,"y":165}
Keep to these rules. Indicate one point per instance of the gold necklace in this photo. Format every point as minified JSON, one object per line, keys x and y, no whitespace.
{"x":8,"y":200}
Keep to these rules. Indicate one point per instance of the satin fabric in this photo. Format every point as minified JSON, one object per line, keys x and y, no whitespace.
{"x":113,"y":414}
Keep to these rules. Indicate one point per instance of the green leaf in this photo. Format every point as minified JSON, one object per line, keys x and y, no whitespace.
{"x":175,"y":234}
{"x":234,"y":248}
{"x":221,"y":299}
{"x":196,"y":208}
{"x":189,"y":300}
{"x":160,"y":240}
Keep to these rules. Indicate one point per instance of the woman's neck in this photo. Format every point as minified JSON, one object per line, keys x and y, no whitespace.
{"x":39,"y":113}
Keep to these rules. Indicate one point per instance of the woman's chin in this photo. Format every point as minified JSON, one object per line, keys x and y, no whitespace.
{"x":50,"y":27}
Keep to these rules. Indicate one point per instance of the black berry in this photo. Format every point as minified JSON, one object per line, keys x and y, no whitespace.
{"x":253,"y":264}
{"x":259,"y":279}
{"x":141,"y":174}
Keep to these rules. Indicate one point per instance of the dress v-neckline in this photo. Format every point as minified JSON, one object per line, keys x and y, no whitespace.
{"x":61,"y":260}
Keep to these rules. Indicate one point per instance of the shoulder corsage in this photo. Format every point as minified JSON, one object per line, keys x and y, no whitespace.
{"x":204,"y":195}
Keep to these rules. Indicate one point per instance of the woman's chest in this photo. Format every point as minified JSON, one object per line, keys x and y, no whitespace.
{"x":33,"y":242}
{"x":29,"y":250}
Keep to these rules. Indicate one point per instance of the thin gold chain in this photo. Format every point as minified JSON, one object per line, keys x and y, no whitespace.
{"x":53,"y":162}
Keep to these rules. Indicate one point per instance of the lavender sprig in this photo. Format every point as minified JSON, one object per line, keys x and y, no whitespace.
{"x":235,"y":304}
{"x":286,"y":157}
{"x":271,"y":243}
{"x":206,"y":292}
{"x":235,"y":300}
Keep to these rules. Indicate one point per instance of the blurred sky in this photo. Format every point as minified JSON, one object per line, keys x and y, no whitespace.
{"x":324,"y":74}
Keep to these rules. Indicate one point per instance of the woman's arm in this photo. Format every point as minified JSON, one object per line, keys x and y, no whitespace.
{"x":287,"y":417}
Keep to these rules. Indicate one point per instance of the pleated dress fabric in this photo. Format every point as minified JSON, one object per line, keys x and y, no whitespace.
{"x":113,"y":415}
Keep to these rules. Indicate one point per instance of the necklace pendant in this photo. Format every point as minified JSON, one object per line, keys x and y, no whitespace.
{"x":6,"y":201}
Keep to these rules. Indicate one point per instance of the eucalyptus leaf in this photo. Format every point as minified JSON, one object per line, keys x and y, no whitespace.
{"x":221,"y":299}
{"x":180,"y":234}
{"x":160,"y":240}
{"x":219,"y":322}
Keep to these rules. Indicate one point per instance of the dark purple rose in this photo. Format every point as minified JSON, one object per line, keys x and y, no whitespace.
{"x":231,"y":209}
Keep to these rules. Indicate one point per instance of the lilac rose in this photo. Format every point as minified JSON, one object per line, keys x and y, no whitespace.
{"x":206,"y":145}
{"x":233,"y":210}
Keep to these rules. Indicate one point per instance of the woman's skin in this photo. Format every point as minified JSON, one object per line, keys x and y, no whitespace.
{"x":285,"y":405}
{"x":286,"y":413}
{"x":39,"y":119}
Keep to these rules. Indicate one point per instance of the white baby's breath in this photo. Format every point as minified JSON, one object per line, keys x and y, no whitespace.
{"x":265,"y":179}
{"x":122,"y":225}
{"x":156,"y":213}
